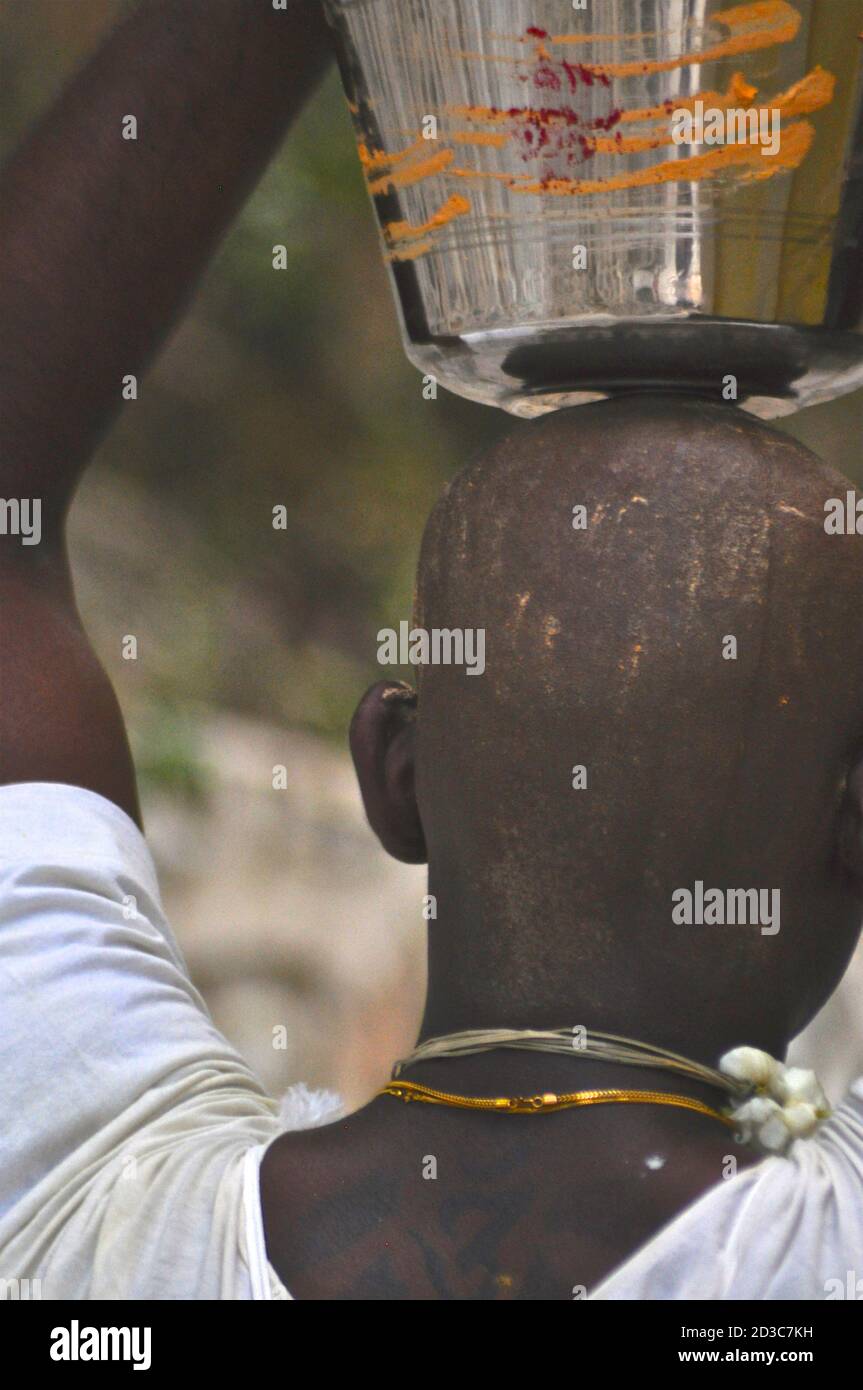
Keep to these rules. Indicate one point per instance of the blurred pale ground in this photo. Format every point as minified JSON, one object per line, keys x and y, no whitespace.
{"x":253,"y":644}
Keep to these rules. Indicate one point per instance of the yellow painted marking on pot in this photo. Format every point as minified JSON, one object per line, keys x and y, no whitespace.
{"x":749,"y":160}
{"x":412,"y":173}
{"x":383,"y":159}
{"x":478,"y":137}
{"x":454,"y":207}
{"x":753,"y":26}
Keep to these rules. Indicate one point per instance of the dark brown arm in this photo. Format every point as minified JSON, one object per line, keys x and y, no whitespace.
{"x":102,"y":239}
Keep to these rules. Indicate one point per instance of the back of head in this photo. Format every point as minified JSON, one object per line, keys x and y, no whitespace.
{"x":692,"y":639}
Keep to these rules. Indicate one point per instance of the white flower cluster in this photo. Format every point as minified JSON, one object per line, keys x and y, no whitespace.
{"x":788,"y":1102}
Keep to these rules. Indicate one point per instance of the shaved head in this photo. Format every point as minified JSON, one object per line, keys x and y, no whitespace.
{"x":664,"y":609}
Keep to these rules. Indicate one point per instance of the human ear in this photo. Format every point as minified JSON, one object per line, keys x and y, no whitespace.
{"x":382,"y":741}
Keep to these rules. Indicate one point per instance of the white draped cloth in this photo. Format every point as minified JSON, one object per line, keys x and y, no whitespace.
{"x":131,"y":1132}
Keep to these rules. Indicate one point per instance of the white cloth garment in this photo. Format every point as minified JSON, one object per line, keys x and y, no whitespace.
{"x":131,"y":1132}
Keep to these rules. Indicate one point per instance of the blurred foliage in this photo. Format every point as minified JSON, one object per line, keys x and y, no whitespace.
{"x":168,"y":752}
{"x":286,"y":388}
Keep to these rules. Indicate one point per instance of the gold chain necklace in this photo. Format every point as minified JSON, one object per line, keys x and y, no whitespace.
{"x":548,"y":1101}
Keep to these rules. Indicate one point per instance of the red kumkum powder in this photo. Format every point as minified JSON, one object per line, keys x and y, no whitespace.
{"x":549,"y":129}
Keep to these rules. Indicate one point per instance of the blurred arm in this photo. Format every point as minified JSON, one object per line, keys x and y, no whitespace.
{"x":101,"y":241}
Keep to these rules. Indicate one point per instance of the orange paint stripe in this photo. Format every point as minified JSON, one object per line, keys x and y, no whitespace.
{"x":628,"y":144}
{"x":511,"y":179}
{"x":796,"y":145}
{"x":739,"y":93}
{"x":811,"y":93}
{"x":381,"y":159}
{"x":412,"y":173}
{"x":478,"y":137}
{"x":754,"y":26}
{"x":454,"y":207}
{"x":493,"y":115}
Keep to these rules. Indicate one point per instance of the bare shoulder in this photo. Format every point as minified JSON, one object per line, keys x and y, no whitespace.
{"x":393,"y":1204}
{"x":330,"y":1199}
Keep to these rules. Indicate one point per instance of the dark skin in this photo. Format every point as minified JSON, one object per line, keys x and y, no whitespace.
{"x":521,"y":1207}
{"x":101,"y":244}
{"x":555,"y":907}
{"x":702,"y":522}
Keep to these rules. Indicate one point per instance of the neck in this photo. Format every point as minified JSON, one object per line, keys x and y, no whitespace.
{"x":479,"y":980}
